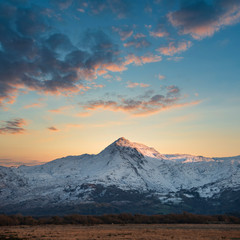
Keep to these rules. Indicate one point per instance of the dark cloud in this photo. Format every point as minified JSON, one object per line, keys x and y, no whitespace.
{"x":201,"y":18}
{"x":14,"y":126}
{"x":53,"y":129}
{"x":33,"y":57}
{"x":146,"y":104}
{"x":59,"y":41}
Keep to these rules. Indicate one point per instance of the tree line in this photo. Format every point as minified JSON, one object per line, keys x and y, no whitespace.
{"x":123,"y":218}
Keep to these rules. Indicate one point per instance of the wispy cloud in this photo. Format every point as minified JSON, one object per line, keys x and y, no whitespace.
{"x":136,"y":84}
{"x":125,"y":32}
{"x":33,"y":105}
{"x":14,"y":126}
{"x":175,"y":59}
{"x":202,"y":19}
{"x":140,"y":60}
{"x":61,"y":109}
{"x":160,"y":77}
{"x":139,"y":35}
{"x":137,"y":43}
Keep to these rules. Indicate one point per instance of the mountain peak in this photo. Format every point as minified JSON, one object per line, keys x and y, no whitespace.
{"x":123,"y":143}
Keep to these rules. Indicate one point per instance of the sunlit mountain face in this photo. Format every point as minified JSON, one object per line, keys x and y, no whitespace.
{"x":76,"y":75}
{"x":124,"y":177}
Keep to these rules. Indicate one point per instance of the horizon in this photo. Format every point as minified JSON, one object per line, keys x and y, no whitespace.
{"x":36,"y":163}
{"x":74,"y":75}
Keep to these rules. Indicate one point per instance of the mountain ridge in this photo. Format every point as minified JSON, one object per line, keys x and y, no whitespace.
{"x":122,"y":172}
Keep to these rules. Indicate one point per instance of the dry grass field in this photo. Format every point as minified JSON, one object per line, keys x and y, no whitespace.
{"x":136,"y":232}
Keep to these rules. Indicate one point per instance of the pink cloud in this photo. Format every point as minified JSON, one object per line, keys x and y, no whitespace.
{"x":172,"y":49}
{"x":159,"y":34}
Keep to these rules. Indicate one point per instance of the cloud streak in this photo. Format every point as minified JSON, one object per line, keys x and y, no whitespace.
{"x":135,"y":84}
{"x":147,"y":104}
{"x":14,"y":126}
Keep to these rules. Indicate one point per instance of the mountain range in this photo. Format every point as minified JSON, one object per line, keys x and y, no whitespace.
{"x":124,"y":177}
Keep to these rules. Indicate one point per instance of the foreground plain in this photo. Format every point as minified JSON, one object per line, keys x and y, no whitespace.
{"x":131,"y":231}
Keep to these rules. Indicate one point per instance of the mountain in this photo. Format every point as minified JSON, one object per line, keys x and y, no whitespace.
{"x":124,"y":177}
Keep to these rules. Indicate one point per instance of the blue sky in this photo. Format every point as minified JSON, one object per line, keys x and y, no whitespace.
{"x":77,"y":75}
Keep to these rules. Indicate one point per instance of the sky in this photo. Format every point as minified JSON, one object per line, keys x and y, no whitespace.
{"x":77,"y":75}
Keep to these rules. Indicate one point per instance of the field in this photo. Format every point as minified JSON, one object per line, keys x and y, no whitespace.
{"x":131,"y":231}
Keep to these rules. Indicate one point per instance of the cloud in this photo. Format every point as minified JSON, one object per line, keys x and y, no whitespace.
{"x":140,"y":60}
{"x":202,"y":19}
{"x":135,"y":84}
{"x":137,"y":43}
{"x":160,"y":77}
{"x":33,"y":105}
{"x":175,"y":59}
{"x":62,"y":4}
{"x":35,"y":59}
{"x":142,"y":105}
{"x":14,"y":126}
{"x":125,"y":32}
{"x":139,"y":35}
{"x":119,"y":8}
{"x":108,"y":76}
{"x":54,"y":129}
{"x":61,"y":109}
{"x":172,"y":48}
{"x":158,"y":34}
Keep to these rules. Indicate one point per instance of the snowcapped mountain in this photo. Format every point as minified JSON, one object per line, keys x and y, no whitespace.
{"x":124,"y":177}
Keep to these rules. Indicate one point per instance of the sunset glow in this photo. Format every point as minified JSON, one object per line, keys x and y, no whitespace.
{"x":77,"y":75}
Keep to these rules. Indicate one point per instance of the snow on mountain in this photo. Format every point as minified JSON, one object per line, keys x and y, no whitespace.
{"x":125,"y":165}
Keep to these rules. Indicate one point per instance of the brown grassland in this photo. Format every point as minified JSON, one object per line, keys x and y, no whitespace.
{"x":128,"y":231}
